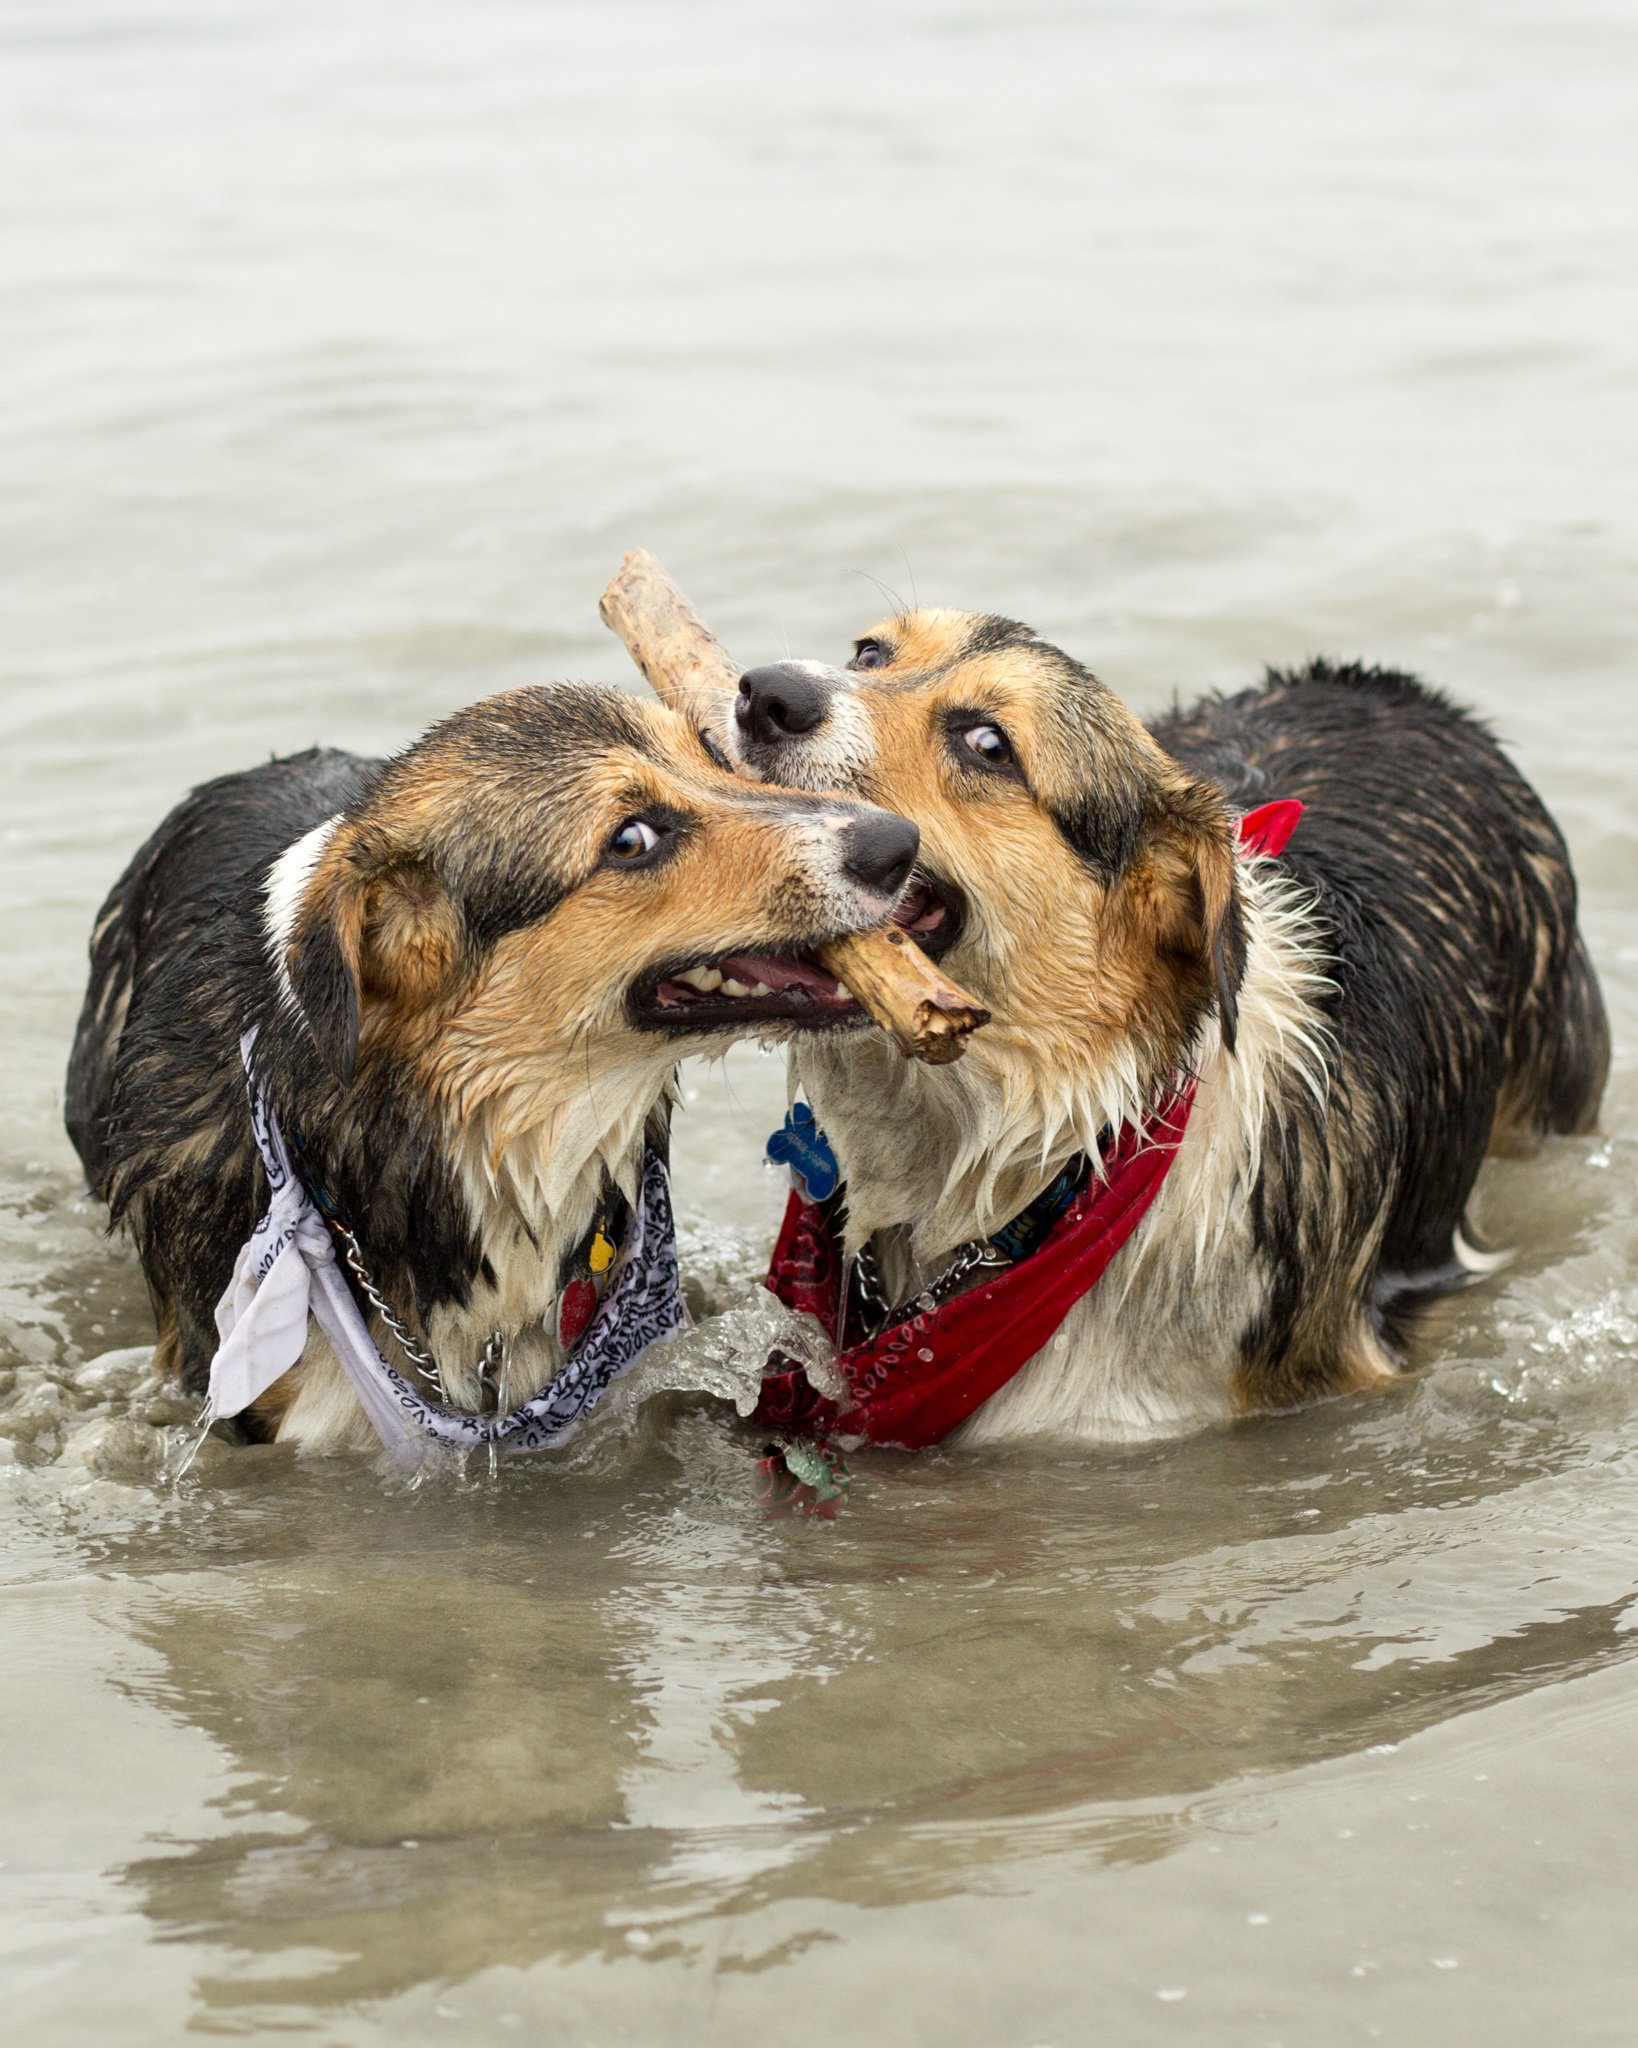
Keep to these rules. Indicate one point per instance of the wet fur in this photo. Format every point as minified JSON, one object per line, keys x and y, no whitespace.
{"x":1403,"y":990}
{"x":437,"y":955}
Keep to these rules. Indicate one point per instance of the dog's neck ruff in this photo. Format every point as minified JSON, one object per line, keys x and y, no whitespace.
{"x":913,"y":1383}
{"x":916,"y":1381}
{"x":288,"y":1271}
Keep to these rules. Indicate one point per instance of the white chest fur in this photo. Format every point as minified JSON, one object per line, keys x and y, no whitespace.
{"x":951,"y":1152}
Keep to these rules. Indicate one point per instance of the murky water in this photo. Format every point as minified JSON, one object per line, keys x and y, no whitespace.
{"x":346,"y":350}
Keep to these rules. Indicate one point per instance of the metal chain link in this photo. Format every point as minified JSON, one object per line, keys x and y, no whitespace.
{"x":423,"y":1361}
{"x":867,"y":1275}
{"x":867,"y":1278}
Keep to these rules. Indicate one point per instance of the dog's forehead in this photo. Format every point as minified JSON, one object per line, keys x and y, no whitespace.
{"x":564,"y":745}
{"x":921,"y":645}
{"x":986,"y":661}
{"x":553,"y":769}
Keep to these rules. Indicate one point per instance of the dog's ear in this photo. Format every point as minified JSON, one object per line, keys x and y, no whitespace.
{"x":1206,"y":919}
{"x":376,"y":925}
{"x":321,"y":964}
{"x":412,"y":934}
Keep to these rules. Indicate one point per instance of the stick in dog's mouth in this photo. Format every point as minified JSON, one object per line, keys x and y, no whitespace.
{"x":700,"y":995}
{"x":888,"y":977}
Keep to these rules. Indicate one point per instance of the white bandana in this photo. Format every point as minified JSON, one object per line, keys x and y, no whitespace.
{"x":288,"y":1271}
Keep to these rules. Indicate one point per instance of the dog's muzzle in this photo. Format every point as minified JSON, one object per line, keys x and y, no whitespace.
{"x":786,"y":700}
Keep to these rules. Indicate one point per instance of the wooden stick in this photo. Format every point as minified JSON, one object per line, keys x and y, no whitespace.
{"x":686,"y":664}
{"x":928,"y":1016}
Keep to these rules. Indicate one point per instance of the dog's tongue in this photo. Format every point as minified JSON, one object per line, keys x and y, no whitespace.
{"x":778,"y":973}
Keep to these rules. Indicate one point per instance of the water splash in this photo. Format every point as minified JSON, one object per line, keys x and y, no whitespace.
{"x":728,"y":1356}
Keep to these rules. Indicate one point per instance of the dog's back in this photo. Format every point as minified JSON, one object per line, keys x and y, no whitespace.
{"x":154,"y":1073}
{"x":1465,"y":1011}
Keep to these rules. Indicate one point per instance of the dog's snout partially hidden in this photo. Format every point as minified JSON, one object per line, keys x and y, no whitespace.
{"x":879,"y":850}
{"x":783,"y":701}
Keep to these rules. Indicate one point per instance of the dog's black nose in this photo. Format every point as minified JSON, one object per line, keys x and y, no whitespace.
{"x":879,"y":850}
{"x":780,"y":702}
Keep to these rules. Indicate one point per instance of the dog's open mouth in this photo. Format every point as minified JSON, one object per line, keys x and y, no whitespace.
{"x":931,"y":911}
{"x":735,"y":990}
{"x":742,"y":988}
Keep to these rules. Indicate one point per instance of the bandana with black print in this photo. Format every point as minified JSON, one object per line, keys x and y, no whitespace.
{"x":288,"y":1272}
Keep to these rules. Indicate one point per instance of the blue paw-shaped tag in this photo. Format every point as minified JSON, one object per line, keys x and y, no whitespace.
{"x":804,"y":1148}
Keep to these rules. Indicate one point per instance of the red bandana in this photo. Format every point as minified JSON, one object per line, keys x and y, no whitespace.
{"x":917,"y":1381}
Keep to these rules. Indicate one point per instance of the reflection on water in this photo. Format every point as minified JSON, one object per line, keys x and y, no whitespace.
{"x":606,"y":1710}
{"x":348,"y":350}
{"x":568,"y":1714}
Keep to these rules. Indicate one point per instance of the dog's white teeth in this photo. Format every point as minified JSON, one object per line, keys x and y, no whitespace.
{"x":844,"y":993}
{"x":712,"y":981}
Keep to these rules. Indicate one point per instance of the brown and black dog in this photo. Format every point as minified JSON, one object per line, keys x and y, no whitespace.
{"x":471,"y":970}
{"x":1363,"y":1017}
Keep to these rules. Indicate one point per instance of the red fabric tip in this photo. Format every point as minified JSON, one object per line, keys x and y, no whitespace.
{"x":1268,"y":829}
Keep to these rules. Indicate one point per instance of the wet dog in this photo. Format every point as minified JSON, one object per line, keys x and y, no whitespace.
{"x":1341,"y":1032}
{"x":469,"y":971}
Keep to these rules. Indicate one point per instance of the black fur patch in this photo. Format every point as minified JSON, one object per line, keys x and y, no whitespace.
{"x":1463,"y":992}
{"x":1103,"y":822}
{"x":326,"y":986}
{"x":155,"y":1100}
{"x":988,"y":635}
{"x":1113,"y":795}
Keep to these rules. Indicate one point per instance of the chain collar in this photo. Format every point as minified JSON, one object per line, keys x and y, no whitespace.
{"x":875,"y":1307}
{"x":497,"y":1350}
{"x":494,"y":1353}
{"x":875,"y":1310}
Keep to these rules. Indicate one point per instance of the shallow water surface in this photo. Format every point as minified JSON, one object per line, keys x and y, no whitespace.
{"x":348,"y":349}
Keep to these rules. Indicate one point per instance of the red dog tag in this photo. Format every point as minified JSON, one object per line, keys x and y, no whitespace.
{"x":575,"y":1311}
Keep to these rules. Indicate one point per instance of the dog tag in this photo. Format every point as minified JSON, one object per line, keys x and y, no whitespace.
{"x":575,"y":1311}
{"x":803,"y":1147}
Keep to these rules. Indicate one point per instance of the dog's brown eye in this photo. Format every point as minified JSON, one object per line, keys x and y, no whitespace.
{"x":869,"y":654}
{"x":632,"y":842}
{"x":990,"y":744}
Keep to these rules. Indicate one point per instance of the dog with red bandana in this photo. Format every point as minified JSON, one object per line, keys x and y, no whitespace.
{"x":1268,"y":979}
